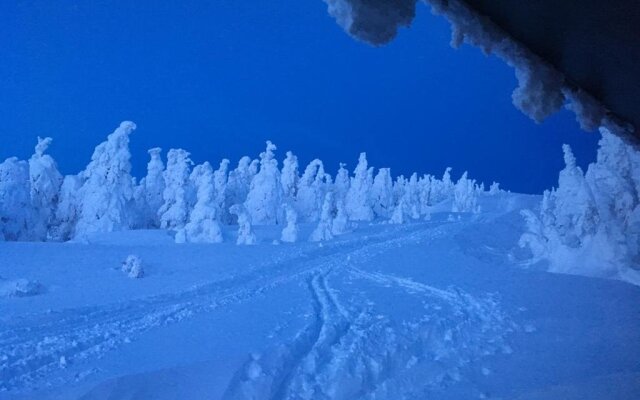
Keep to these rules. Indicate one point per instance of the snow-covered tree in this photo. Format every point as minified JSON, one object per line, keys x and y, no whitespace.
{"x":465,"y":196}
{"x":442,"y":189}
{"x":17,"y":216}
{"x":583,"y":225}
{"x":342,"y":183}
{"x":412,"y":197}
{"x":494,"y":188}
{"x":382,"y":193}
{"x":203,"y":226}
{"x":399,"y":214}
{"x":238,"y":185}
{"x":323,"y":230}
{"x":153,"y":185}
{"x":265,"y":193}
{"x":68,"y":209}
{"x":245,"y":230}
{"x":358,"y":201}
{"x":340,"y":223}
{"x":311,"y":191}
{"x":424,"y":185}
{"x":289,"y":177}
{"x":107,"y":193}
{"x":174,"y":212}
{"x":220,"y":179}
{"x":45,"y":182}
{"x":290,"y":231}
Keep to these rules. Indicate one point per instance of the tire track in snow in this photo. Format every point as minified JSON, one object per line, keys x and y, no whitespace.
{"x":33,"y":348}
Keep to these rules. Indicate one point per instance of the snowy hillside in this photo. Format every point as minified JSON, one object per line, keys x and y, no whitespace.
{"x":264,"y":282}
{"x":429,"y":309}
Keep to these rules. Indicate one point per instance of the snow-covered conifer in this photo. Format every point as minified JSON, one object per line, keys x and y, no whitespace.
{"x":358,"y":201}
{"x":494,"y":188}
{"x":340,"y":223}
{"x":311,"y":191}
{"x":220,"y":179}
{"x":265,"y":193}
{"x":107,"y":193}
{"x":465,"y":197}
{"x":16,"y":212}
{"x":341,"y":183}
{"x":412,"y":197}
{"x":424,"y":185}
{"x":382,"y":193}
{"x":290,"y":231}
{"x":323,"y":230}
{"x":290,"y":177}
{"x":45,"y":188}
{"x":153,"y":185}
{"x":174,"y":211}
{"x":238,"y":186}
{"x":68,"y":209}
{"x":245,"y":230}
{"x":203,"y":226}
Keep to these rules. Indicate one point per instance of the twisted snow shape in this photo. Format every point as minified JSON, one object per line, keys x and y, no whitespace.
{"x":541,"y":91}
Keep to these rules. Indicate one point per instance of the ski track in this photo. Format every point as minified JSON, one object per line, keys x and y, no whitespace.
{"x":31,"y":346}
{"x":347,"y":355}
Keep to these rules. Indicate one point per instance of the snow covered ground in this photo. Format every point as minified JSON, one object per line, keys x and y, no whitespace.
{"x":442,"y":309}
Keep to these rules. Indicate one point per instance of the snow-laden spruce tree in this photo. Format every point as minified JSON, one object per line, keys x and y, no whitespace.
{"x":494,"y":188}
{"x":382,"y":193}
{"x":289,"y":177}
{"x":220,"y":179}
{"x":245,"y":229}
{"x":238,"y":185}
{"x":358,"y":202}
{"x":424,"y":184}
{"x":412,"y":196}
{"x":45,"y":182}
{"x":400,"y":214}
{"x":17,"y":215}
{"x":312,"y":188}
{"x":290,"y":231}
{"x":465,"y":196}
{"x":106,"y":195}
{"x":203,"y":226}
{"x":340,"y":224}
{"x":615,"y":184}
{"x":67,"y":210}
{"x":342,"y":183}
{"x":264,"y":200}
{"x":174,"y":212}
{"x":399,"y":187}
{"x":442,"y":190}
{"x":323,"y":232}
{"x":571,"y":231}
{"x":153,"y":185}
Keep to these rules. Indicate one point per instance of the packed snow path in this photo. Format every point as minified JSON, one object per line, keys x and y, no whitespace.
{"x":389,"y":312}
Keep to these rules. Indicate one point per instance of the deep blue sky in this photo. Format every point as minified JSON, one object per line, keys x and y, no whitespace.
{"x":219,"y":77}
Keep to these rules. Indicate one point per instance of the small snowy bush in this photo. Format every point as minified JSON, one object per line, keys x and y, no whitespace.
{"x":132,"y":266}
{"x":20,"y":288}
